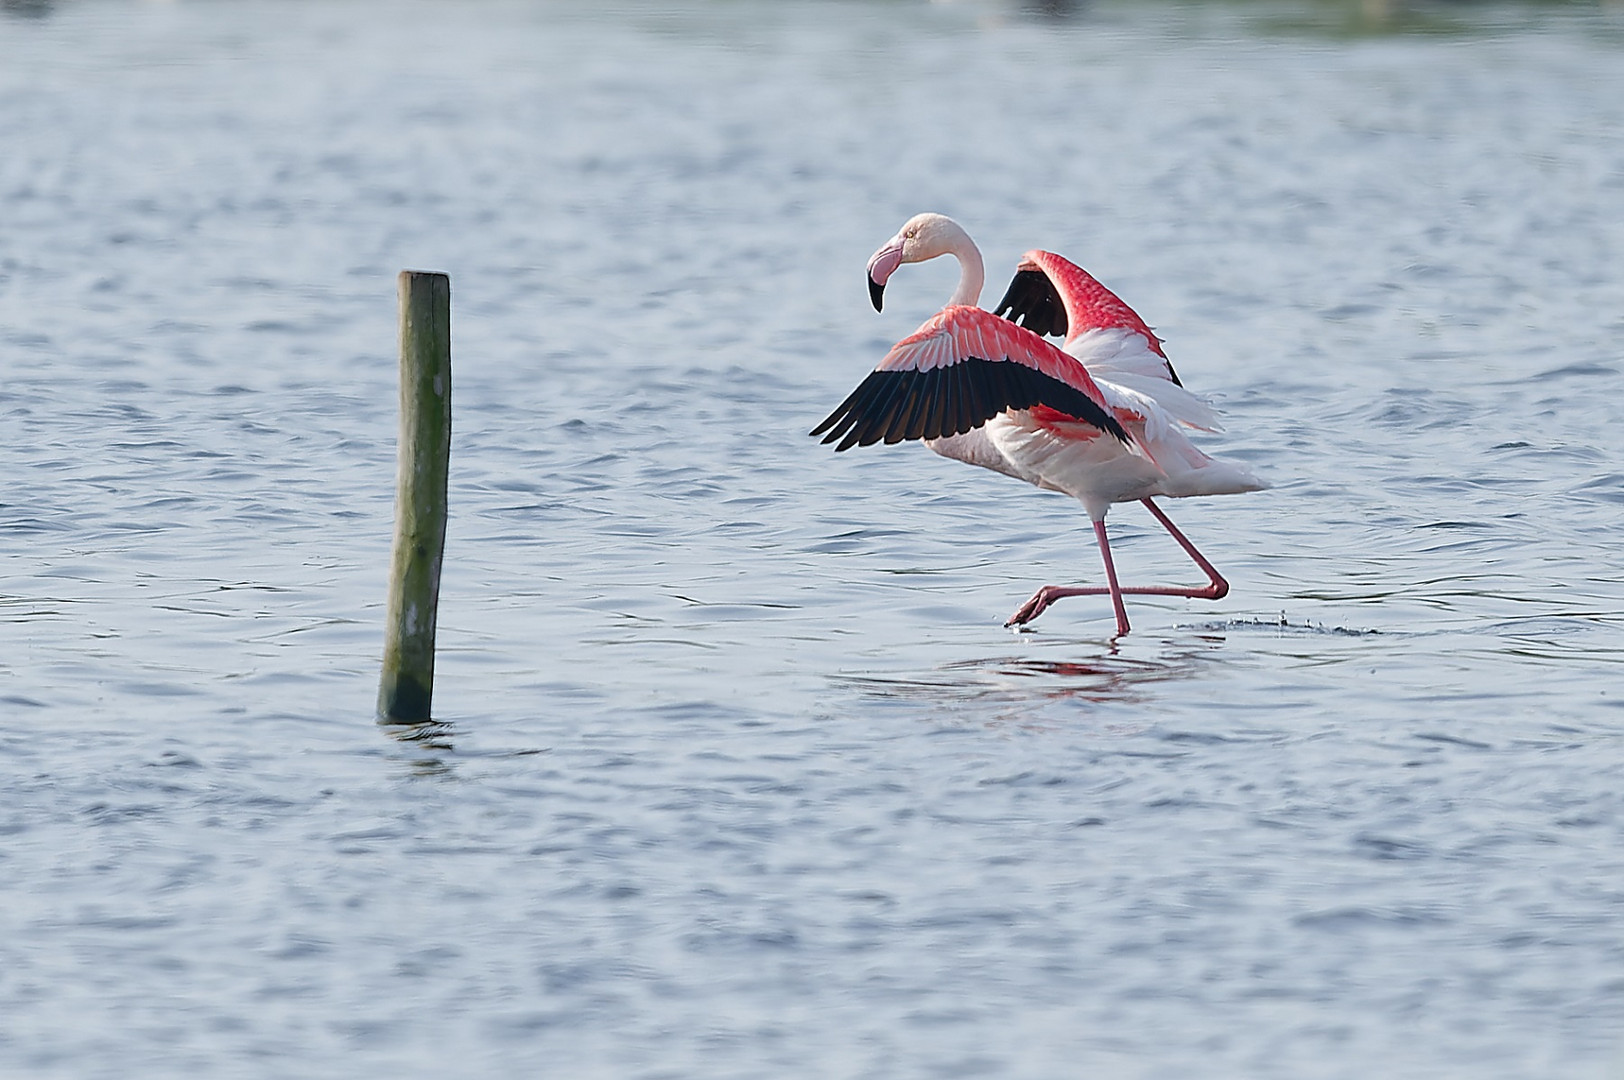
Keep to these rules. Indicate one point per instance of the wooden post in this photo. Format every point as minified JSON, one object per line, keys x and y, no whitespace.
{"x":406,"y":689}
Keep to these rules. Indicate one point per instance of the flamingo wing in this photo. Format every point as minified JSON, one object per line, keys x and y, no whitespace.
{"x":959,"y":370}
{"x":1051,"y":295}
{"x":1033,"y":302}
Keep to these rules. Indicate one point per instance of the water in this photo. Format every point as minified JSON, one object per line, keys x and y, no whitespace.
{"x":737,"y":773}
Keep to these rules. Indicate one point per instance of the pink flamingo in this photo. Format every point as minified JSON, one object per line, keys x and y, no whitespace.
{"x":1100,"y":420}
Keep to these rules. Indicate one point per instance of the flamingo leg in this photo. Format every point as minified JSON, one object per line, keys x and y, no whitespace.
{"x":1216,"y":588}
{"x":1111,"y":578}
{"x":1050,"y":593}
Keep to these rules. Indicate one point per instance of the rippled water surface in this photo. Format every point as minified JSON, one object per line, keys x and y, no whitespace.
{"x":737,"y":772}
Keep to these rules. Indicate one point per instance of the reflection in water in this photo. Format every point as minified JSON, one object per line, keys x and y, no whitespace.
{"x":34,"y":9}
{"x":435,"y":737}
{"x":429,"y":735}
{"x":1051,"y":9}
{"x":1002,"y":681}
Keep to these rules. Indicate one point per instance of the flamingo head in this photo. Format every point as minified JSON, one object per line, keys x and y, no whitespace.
{"x":925,"y":236}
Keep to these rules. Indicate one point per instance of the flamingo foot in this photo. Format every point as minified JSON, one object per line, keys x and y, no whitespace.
{"x":1037,"y":605}
{"x":1050,"y":593}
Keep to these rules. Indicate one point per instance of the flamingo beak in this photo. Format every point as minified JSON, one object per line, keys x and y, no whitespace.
{"x":880,"y":268}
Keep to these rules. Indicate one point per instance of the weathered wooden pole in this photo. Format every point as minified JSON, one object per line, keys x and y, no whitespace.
{"x":406,"y":690}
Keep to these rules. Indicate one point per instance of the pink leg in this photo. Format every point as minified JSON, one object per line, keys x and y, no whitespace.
{"x":1050,"y":593}
{"x":1111,"y":578}
{"x":1216,"y":588}
{"x":1219,"y":588}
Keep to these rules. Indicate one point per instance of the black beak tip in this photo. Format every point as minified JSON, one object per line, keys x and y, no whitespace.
{"x":876,"y":293}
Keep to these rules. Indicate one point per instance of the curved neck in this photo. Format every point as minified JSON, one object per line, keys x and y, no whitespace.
{"x":972,"y":275}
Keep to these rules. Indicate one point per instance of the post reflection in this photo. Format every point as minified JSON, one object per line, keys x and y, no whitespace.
{"x":427,"y":735}
{"x":28,"y":9}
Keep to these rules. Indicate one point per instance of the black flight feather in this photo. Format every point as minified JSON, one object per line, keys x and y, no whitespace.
{"x":1031,"y":301}
{"x":897,"y":405}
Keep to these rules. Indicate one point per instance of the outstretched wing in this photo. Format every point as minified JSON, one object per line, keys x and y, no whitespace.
{"x":961,"y":369}
{"x":1052,"y":296}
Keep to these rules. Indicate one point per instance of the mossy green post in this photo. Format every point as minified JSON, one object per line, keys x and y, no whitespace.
{"x":406,"y":690}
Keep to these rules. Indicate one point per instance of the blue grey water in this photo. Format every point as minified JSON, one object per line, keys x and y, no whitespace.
{"x":737,"y":773}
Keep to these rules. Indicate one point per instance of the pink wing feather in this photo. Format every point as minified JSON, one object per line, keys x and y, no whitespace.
{"x":1052,"y":295}
{"x":956,"y":372}
{"x":1089,"y":305}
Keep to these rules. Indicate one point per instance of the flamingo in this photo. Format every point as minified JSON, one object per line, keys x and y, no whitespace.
{"x":1100,"y":419}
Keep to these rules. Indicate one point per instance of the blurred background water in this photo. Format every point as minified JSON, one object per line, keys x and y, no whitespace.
{"x":737,"y":773}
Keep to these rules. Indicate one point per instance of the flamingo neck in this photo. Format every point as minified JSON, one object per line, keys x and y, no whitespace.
{"x":972,"y":274}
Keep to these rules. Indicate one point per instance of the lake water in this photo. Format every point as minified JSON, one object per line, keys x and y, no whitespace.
{"x":737,"y":773}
